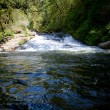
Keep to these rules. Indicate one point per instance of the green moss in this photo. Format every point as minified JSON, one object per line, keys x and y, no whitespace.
{"x":22,"y":41}
{"x":8,"y":32}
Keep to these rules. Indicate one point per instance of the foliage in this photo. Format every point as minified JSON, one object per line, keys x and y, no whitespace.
{"x":86,"y":20}
{"x":8,"y":32}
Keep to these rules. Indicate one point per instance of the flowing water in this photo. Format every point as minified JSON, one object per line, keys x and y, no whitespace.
{"x":55,"y":72}
{"x":57,"y":41}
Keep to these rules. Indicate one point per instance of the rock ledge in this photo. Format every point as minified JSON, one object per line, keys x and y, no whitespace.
{"x":105,"y":45}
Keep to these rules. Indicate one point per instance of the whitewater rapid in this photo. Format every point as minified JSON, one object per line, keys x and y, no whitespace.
{"x":56,"y":41}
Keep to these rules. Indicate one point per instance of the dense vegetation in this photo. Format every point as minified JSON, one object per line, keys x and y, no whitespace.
{"x":86,"y":20}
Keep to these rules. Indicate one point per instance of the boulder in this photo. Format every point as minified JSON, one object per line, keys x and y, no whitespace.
{"x":105,"y":45}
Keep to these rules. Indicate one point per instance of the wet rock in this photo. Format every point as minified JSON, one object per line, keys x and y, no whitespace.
{"x":22,"y":82}
{"x":1,"y":89}
{"x":67,"y":46}
{"x":20,"y":48}
{"x":105,"y":45}
{"x":11,"y":102}
{"x":2,"y":49}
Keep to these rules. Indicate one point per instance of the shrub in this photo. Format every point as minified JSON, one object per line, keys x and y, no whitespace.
{"x":8,"y":32}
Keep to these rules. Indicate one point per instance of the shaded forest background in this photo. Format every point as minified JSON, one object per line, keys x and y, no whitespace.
{"x":86,"y":20}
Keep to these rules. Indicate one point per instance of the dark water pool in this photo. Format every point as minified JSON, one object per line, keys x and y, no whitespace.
{"x":54,"y":81}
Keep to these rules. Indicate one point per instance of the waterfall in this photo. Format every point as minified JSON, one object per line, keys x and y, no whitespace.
{"x":56,"y":41}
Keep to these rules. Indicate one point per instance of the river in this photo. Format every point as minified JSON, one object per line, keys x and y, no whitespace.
{"x":55,"y":72}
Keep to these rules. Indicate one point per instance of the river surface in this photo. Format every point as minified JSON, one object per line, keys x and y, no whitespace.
{"x":71,"y":77}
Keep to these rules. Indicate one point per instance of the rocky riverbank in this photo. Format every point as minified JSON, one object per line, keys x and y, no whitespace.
{"x":17,"y":40}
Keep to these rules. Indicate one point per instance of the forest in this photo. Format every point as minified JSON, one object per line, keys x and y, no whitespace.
{"x":86,"y":20}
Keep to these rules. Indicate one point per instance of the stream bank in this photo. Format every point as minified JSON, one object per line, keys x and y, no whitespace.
{"x":17,"y":40}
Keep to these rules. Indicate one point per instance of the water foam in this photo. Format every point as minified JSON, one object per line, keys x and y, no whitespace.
{"x":59,"y":42}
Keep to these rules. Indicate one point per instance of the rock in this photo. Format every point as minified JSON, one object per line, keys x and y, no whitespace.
{"x":18,"y":31}
{"x":32,"y":33}
{"x":11,"y":49}
{"x":12,"y":44}
{"x":67,"y":46}
{"x":2,"y":49}
{"x":20,"y":81}
{"x":19,"y":35}
{"x":2,"y":89}
{"x":105,"y":45}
